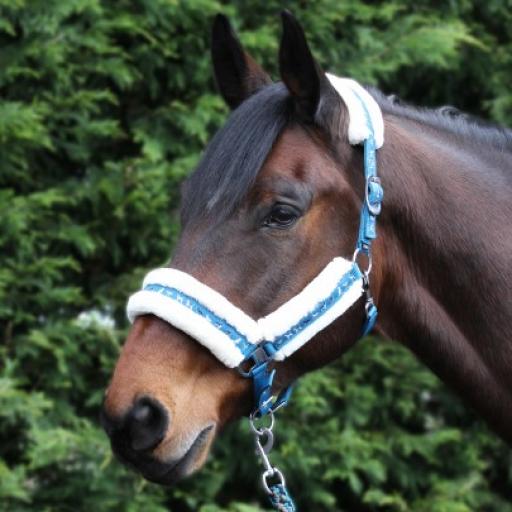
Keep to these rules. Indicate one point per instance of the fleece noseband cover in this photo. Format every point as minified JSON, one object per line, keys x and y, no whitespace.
{"x":229,"y":333}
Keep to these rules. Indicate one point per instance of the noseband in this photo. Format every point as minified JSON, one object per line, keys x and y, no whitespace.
{"x":236,"y":339}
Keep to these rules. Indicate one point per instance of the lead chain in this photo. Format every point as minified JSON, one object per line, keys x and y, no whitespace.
{"x":277,"y":491}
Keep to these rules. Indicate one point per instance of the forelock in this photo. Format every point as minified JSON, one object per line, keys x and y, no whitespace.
{"x":235,"y":155}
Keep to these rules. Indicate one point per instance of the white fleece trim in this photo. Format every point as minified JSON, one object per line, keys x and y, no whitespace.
{"x":280,"y":320}
{"x":210,"y":298}
{"x":265,"y":329}
{"x":358,"y":129}
{"x":196,"y":326}
{"x":350,"y":297}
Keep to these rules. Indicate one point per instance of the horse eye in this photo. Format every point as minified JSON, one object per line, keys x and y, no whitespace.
{"x":281,"y":216}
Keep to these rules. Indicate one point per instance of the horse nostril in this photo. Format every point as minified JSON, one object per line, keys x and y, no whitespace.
{"x":146,"y":424}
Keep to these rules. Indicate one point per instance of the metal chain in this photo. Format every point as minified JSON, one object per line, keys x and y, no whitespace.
{"x":264,"y":440}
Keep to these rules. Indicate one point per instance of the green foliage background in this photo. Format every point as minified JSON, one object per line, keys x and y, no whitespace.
{"x":105,"y":107}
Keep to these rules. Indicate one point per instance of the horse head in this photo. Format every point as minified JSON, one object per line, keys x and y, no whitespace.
{"x":276,"y":196}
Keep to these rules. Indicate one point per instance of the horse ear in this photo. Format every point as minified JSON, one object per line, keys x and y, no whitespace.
{"x":236,"y":73}
{"x":314,"y":97}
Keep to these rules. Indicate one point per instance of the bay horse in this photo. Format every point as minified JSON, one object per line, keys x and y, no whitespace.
{"x":276,"y":196}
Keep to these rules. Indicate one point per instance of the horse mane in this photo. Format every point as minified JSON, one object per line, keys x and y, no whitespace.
{"x":233,"y":158}
{"x":448,"y":118}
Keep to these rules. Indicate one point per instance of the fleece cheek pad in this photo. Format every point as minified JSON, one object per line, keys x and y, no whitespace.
{"x":229,"y":333}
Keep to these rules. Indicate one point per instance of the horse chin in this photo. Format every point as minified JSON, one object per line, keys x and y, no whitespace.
{"x":193,"y":459}
{"x":171,"y":469}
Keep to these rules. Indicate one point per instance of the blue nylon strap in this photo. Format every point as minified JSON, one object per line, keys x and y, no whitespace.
{"x":263,"y":398}
{"x":372,"y":205}
{"x":262,"y":378}
{"x":373,"y":199}
{"x":373,"y":189}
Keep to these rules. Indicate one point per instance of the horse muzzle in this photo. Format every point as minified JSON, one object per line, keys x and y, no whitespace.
{"x":141,"y":440}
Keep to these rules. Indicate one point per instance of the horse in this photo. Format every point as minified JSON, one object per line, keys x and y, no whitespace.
{"x":276,"y":196}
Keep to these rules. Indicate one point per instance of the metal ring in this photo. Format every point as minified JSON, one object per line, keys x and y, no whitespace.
{"x":269,"y":473}
{"x":265,"y":441}
{"x":369,"y":261}
{"x":252,"y":420}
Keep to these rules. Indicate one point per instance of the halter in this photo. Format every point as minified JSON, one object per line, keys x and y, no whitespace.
{"x":236,"y":339}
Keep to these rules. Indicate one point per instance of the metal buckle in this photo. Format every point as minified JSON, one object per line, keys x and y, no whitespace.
{"x":373,"y":208}
{"x":259,"y":356}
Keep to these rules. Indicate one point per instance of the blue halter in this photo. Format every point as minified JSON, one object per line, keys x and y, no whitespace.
{"x":263,"y":354}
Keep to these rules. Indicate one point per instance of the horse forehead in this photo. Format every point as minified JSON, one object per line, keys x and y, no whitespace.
{"x":299,"y":156}
{"x":293,"y":153}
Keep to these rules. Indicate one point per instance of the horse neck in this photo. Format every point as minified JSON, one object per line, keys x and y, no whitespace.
{"x":444,"y":253}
